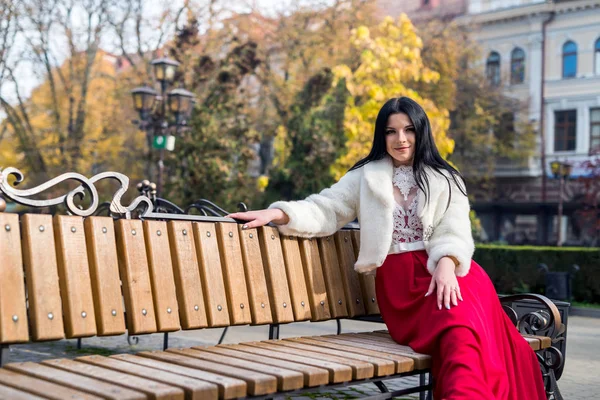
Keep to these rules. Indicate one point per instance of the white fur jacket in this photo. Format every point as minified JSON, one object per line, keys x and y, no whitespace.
{"x":367,"y":193}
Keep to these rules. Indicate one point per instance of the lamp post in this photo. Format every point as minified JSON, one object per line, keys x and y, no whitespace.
{"x":561,"y":171}
{"x":152,"y":108}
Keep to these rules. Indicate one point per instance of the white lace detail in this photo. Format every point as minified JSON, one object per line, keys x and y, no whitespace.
{"x":404,"y":179}
{"x":407,"y":224}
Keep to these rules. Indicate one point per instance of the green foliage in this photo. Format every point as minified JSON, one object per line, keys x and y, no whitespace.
{"x":390,"y":65}
{"x":212,"y":159}
{"x":311,"y":141}
{"x":514,"y":269}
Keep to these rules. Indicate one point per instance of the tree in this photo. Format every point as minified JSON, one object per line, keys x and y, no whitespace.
{"x":311,"y":141}
{"x":487,"y":125}
{"x":390,"y":66}
{"x":212,"y":159}
{"x":296,"y":47}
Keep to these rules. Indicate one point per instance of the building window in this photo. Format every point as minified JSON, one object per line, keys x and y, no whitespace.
{"x":597,"y":56}
{"x":569,"y":60}
{"x":595,"y":131}
{"x":565,"y":130}
{"x":492,"y":68}
{"x":517,"y":66}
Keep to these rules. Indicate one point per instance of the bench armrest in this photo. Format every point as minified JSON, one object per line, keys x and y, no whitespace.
{"x":544,"y":322}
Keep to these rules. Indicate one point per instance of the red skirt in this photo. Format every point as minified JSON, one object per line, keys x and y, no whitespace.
{"x":477,"y":353}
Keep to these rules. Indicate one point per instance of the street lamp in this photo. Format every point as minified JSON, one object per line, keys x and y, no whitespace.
{"x":152,"y":107}
{"x":164,"y":70}
{"x":561,"y":171}
{"x":181,"y":102}
{"x":144,"y":98}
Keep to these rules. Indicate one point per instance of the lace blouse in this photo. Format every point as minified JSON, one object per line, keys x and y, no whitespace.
{"x":408,"y":229}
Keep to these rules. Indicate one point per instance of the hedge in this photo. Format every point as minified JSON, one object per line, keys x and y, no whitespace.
{"x":514,"y":269}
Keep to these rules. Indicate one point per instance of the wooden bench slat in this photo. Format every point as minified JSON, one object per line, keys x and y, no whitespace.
{"x":533,"y":342}
{"x":211,"y":274}
{"x":13,"y":309}
{"x":154,"y":390}
{"x":74,"y":277}
{"x":379,"y":338}
{"x":367,"y":282}
{"x":296,"y":279}
{"x":333,"y":277}
{"x":255,"y":277}
{"x":279,"y":292}
{"x":135,"y":277}
{"x":544,"y":341}
{"x":189,"y":292}
{"x":75,"y":381}
{"x":337,"y":372}
{"x":386,"y":343}
{"x":360,"y":369}
{"x":350,"y":280}
{"x":286,"y":379}
{"x":257,"y":383}
{"x":9,"y":393}
{"x":233,"y":273}
{"x":41,"y":387}
{"x":315,"y":281}
{"x":421,"y":361}
{"x":104,"y":275}
{"x":403,"y":364}
{"x":194,"y":389}
{"x":160,"y":267}
{"x":229,"y":388}
{"x":313,"y":376}
{"x":383,"y":367}
{"x":41,"y":271}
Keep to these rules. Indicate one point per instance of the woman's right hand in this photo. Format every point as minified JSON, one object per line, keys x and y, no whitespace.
{"x":261,"y":217}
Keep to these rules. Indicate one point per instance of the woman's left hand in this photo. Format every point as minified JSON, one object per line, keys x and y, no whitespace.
{"x":445,"y":280}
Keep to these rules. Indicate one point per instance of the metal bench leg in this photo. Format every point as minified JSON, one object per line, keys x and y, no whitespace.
{"x":4,"y":355}
{"x":273,"y":331}
{"x":166,"y":341}
{"x":78,"y":343}
{"x":430,"y":391}
{"x":422,"y":383}
{"x":223,"y":335}
{"x":381,"y":386}
{"x":339,"y":326}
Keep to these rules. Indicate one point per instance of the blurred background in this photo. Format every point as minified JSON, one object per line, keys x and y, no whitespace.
{"x":262,"y":100}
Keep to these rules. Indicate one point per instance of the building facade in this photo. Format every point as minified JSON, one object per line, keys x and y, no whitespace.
{"x":548,"y":54}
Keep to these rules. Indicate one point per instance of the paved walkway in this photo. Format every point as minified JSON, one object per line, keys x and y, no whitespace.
{"x":580,"y":380}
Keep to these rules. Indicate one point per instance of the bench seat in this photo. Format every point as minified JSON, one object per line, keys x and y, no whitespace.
{"x":251,"y":369}
{"x":73,"y":277}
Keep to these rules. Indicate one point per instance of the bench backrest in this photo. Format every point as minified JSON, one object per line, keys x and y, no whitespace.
{"x":70,"y":277}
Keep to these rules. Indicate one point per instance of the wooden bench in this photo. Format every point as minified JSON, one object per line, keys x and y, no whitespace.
{"x":77,"y":276}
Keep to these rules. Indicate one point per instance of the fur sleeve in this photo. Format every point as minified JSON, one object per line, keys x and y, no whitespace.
{"x":324,"y":213}
{"x":452,"y":234}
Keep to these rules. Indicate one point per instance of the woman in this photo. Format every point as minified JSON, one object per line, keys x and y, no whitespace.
{"x":413,"y":210}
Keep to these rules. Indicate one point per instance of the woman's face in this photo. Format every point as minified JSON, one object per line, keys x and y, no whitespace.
{"x":400,"y":139}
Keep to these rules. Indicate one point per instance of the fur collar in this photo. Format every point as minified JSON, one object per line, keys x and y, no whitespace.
{"x":378,"y":176}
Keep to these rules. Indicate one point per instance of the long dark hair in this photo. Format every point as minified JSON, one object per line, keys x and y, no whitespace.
{"x":426,"y":152}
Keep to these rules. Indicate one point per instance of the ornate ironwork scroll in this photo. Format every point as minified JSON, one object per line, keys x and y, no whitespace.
{"x":544,"y":322}
{"x":145,"y":206}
